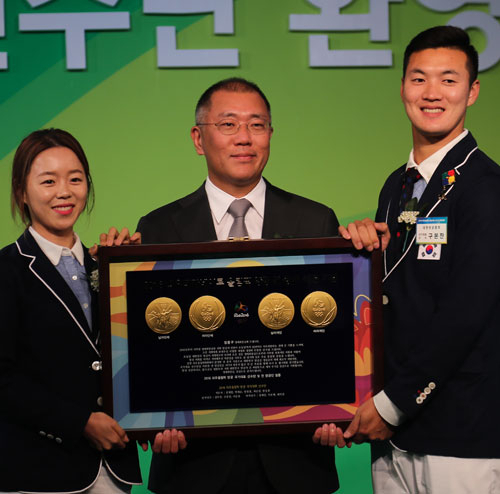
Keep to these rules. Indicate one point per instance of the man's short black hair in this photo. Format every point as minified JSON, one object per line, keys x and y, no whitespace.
{"x":233,"y":84}
{"x":444,"y":37}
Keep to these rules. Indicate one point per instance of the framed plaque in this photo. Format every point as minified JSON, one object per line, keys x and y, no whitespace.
{"x":235,"y":338}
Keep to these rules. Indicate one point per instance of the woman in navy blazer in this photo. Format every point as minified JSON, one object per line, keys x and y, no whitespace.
{"x":53,"y":435}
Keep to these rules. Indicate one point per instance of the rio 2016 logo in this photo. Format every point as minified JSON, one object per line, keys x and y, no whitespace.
{"x":240,"y":310}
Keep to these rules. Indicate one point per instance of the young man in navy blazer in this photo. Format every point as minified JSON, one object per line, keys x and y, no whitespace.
{"x":439,"y":406}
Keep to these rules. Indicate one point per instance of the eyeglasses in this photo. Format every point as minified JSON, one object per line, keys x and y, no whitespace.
{"x":231,"y":126}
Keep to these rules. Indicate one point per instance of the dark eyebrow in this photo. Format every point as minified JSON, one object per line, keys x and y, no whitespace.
{"x":234,"y":115}
{"x":445,"y":72}
{"x":51,"y":174}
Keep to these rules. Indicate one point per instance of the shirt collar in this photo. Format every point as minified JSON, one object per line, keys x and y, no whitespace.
{"x":219,"y":200}
{"x":54,"y":251}
{"x":429,"y":165}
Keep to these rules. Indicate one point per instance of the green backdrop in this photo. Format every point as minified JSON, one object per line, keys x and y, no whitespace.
{"x":338,"y":131}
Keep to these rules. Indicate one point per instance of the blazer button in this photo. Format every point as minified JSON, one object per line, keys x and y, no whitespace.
{"x":99,"y":401}
{"x":420,"y":400}
{"x":423,"y":396}
{"x":50,"y":436}
{"x":42,"y":433}
{"x":432,"y":385}
{"x":427,"y":391}
{"x":97,"y":365}
{"x":385,"y":299}
{"x":58,"y":440}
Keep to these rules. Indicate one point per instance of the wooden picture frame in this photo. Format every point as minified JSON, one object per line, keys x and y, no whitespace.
{"x":267,"y":380}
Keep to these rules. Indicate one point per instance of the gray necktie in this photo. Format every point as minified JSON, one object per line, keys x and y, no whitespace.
{"x":238,"y":209}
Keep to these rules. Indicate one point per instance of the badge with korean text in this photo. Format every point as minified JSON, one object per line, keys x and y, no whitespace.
{"x":432,"y":231}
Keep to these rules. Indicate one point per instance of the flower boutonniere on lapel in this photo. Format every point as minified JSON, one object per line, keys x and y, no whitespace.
{"x":410,"y":213}
{"x":409,"y":217}
{"x":94,"y":280}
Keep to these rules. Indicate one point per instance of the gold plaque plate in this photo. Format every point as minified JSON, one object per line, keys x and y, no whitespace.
{"x":207,"y":313}
{"x":163,"y":315}
{"x":318,"y":309}
{"x":276,"y":311}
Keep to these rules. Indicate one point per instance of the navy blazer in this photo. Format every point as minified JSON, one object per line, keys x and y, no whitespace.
{"x":442,"y":334}
{"x":189,"y":219}
{"x":50,"y":379}
{"x":293,"y":464}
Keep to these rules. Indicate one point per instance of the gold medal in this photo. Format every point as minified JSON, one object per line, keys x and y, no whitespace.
{"x":276,"y":311}
{"x":207,"y":313}
{"x":318,"y":309}
{"x":163,"y":315}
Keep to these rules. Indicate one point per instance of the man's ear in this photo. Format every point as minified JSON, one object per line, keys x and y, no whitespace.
{"x":473,"y":93}
{"x":197,"y":140}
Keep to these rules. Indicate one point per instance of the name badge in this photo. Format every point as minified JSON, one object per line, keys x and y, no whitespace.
{"x":432,"y":231}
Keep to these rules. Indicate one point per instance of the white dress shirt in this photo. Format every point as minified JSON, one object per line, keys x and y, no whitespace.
{"x":54,"y":251}
{"x":219,"y":203}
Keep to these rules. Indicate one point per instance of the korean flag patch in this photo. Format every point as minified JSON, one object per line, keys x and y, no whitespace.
{"x":429,"y":252}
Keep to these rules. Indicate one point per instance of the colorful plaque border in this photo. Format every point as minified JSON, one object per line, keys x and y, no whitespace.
{"x":115,"y":262}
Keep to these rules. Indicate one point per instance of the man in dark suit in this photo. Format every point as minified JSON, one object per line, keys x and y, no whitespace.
{"x":441,"y":301}
{"x":233,"y":131}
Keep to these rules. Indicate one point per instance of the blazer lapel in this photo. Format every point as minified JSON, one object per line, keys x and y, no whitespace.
{"x":194,"y":220}
{"x":453,"y":160}
{"x":43,"y":269}
{"x":277,"y":217}
{"x":393,"y":252}
{"x":91,"y":268}
{"x":431,"y":197}
{"x":432,"y":193}
{"x":428,"y":201}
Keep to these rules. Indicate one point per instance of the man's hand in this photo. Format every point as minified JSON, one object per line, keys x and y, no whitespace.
{"x":364,"y":234}
{"x":104,"y":432}
{"x":330,"y":435}
{"x":113,"y":238}
{"x":169,"y":441}
{"x":368,"y":425}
